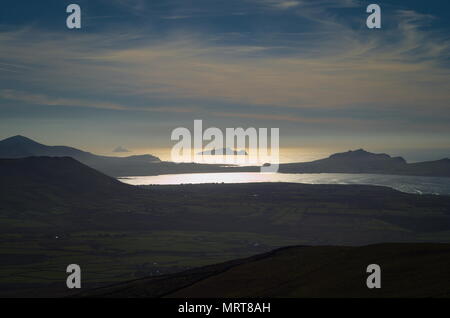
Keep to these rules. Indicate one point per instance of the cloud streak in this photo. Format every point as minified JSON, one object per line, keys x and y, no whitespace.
{"x":44,"y":100}
{"x":328,"y":68}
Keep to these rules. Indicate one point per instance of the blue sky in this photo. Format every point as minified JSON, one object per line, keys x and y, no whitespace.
{"x":138,"y":69}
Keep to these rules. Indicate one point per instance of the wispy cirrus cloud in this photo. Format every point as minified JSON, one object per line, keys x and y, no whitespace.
{"x":284,"y":4}
{"x":46,"y":100}
{"x":327,"y":68}
{"x":135,"y":6}
{"x":311,"y":4}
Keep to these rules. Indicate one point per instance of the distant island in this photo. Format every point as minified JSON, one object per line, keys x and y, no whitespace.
{"x":353,"y":161}
{"x":224,"y":151}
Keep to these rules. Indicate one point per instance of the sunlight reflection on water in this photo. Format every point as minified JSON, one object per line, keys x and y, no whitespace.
{"x":409,"y":184}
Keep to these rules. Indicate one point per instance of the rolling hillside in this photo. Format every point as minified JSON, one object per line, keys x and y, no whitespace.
{"x":57,"y":211}
{"x":407,"y":270}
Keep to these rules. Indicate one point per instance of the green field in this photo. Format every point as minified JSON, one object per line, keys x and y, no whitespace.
{"x":110,"y":257}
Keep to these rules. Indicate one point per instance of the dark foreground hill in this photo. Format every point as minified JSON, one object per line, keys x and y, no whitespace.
{"x":407,"y":270}
{"x":61,"y":172}
{"x":49,"y":183}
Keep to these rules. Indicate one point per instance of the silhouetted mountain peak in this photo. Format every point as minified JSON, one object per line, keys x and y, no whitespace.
{"x":22,"y":147}
{"x":360,"y":151}
{"x":18,"y":139}
{"x":354,"y":153}
{"x":363,"y":154}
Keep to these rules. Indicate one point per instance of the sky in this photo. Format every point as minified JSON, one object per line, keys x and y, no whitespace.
{"x":138,"y":69}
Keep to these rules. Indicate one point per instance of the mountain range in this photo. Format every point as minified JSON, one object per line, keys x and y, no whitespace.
{"x":361,"y":161}
{"x":21,"y":147}
{"x":357,"y":161}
